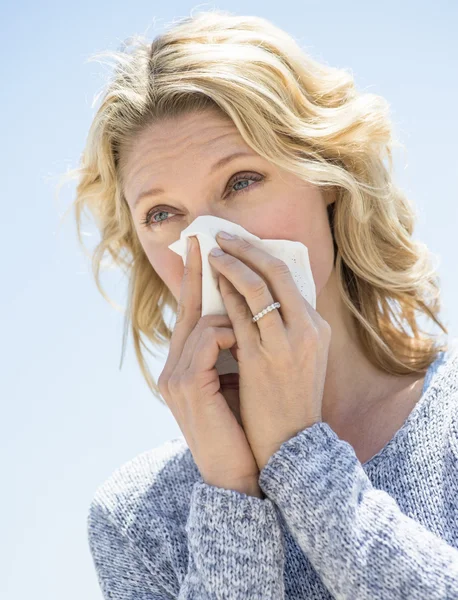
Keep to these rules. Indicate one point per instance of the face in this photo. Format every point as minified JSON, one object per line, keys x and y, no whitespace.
{"x":178,"y":156}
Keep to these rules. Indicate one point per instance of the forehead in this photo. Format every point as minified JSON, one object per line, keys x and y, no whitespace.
{"x":185,"y":142}
{"x":186,"y":134}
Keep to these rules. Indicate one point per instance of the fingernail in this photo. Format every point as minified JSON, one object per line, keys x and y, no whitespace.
{"x":216,"y":251}
{"x":226,"y":236}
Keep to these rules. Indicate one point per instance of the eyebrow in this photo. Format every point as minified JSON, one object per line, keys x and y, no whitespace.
{"x":218,"y":165}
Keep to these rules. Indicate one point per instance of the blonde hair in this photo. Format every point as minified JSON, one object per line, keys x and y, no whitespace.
{"x":302,"y":116}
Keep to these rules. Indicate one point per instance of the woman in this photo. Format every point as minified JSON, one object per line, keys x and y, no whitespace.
{"x":331,"y":470}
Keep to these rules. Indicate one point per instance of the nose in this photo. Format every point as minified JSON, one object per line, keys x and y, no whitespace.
{"x":206,"y":211}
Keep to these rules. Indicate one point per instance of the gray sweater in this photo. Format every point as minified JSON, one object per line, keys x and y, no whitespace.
{"x":330,"y":527}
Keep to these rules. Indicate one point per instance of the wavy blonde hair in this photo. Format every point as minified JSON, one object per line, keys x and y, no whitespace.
{"x":304,"y":117}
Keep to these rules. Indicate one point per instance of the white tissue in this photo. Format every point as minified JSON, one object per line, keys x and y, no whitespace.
{"x":205,"y":228}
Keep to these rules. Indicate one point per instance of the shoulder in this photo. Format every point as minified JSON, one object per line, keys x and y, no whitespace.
{"x":446,"y":363}
{"x":147,"y":493}
{"x":443,"y":395}
{"x":443,"y":376}
{"x":450,"y":377}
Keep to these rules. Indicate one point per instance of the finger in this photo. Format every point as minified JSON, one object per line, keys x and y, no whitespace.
{"x":189,"y":318}
{"x":211,"y":341}
{"x":257,"y":296}
{"x":190,"y":303}
{"x":246,"y":332}
{"x":278,"y":277}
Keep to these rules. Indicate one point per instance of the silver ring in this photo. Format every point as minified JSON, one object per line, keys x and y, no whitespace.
{"x":265,"y":311}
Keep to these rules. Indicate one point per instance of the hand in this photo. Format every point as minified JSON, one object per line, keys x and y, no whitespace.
{"x":190,"y":386}
{"x":282,"y":357}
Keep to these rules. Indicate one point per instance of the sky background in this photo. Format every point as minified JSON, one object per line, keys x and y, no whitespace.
{"x":70,"y":417}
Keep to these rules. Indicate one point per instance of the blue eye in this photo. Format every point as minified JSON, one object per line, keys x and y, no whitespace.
{"x":240,"y":177}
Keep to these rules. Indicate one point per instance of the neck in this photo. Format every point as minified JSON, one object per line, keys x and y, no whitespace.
{"x":354,"y":387}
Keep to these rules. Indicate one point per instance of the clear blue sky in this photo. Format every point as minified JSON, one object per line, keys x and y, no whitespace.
{"x":69,"y":416}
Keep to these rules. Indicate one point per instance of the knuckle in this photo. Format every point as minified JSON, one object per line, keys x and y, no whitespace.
{"x":307,"y":323}
{"x":279,"y":267}
{"x":201,"y":379}
{"x":241,"y":311}
{"x":257,"y":287}
{"x":209,"y":332}
{"x":207,"y":320}
{"x":184,"y":312}
{"x":244,"y":245}
{"x":301,"y":337}
{"x":232,"y":294}
{"x":187,"y":379}
{"x":213,"y":320}
{"x":174,"y":383}
{"x":268,"y":323}
{"x":229,"y":259}
{"x":162,"y":382}
{"x":311,"y":337}
{"x":188,"y":270}
{"x":180,"y":311}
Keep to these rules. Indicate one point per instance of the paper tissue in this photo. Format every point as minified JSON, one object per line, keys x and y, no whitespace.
{"x":205,"y":228}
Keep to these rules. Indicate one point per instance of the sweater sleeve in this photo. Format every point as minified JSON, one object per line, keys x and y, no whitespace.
{"x":355,"y":536}
{"x":235,"y":550}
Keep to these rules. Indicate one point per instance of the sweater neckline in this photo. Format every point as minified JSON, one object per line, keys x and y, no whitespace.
{"x":437,"y":372}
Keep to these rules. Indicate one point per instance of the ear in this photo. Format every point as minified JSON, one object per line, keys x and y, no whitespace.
{"x":329,"y":194}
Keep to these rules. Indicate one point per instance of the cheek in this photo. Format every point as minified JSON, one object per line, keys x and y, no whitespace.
{"x":311,"y":227}
{"x":321,"y":253}
{"x":169,"y":266}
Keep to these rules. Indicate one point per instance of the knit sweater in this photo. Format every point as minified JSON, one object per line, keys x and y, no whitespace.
{"x":329,"y":527}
